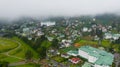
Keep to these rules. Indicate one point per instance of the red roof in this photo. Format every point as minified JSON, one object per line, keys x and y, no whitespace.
{"x":75,"y":59}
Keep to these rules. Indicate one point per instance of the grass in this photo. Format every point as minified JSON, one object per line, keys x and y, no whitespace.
{"x":86,"y":42}
{"x":23,"y":48}
{"x":7,"y":44}
{"x":8,"y":59}
{"x":46,"y":44}
{"x":106,"y":43}
{"x":59,"y":59}
{"x":66,"y":49}
{"x":27,"y":65}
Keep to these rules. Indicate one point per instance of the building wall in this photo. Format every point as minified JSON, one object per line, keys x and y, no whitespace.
{"x":100,"y":65}
{"x":92,"y":59}
{"x":108,"y":37}
{"x":47,"y":23}
{"x":83,"y":54}
{"x":72,"y":54}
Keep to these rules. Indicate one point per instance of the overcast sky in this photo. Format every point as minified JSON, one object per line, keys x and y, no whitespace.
{"x":17,"y":8}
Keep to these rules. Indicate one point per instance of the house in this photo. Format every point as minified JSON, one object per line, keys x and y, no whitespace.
{"x":107,"y":35}
{"x":66,"y":43}
{"x":116,"y":36}
{"x":104,"y":29}
{"x":99,"y":58}
{"x":39,"y":33}
{"x":75,"y":60}
{"x":50,"y":38}
{"x":73,"y":53}
{"x":111,"y":36}
{"x":26,"y":31}
{"x":85,"y":29}
{"x":65,"y":55}
{"x":96,"y":38}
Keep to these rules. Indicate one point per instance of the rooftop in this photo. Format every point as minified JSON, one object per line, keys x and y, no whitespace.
{"x":73,"y":51}
{"x":86,"y":64}
{"x":104,"y":57}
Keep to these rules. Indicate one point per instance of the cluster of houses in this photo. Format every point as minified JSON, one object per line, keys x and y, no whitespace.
{"x":66,"y":36}
{"x":65,"y":43}
{"x":32,"y":29}
{"x":111,"y":36}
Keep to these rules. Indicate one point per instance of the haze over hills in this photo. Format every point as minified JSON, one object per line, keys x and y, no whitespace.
{"x":44,"y":8}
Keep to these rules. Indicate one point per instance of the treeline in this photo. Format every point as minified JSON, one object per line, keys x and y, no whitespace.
{"x":41,"y":45}
{"x":4,"y":64}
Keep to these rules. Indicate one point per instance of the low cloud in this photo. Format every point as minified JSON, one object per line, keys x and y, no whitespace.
{"x":35,"y":8}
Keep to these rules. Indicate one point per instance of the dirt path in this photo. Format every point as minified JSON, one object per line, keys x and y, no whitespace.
{"x":19,"y":45}
{"x":7,"y":53}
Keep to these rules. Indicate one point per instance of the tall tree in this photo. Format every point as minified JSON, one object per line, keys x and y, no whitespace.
{"x":28,"y":55}
{"x":55,"y":43}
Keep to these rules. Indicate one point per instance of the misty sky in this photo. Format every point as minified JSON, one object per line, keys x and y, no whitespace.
{"x":17,"y":8}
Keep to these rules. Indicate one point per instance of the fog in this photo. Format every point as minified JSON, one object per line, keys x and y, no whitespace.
{"x":36,"y":8}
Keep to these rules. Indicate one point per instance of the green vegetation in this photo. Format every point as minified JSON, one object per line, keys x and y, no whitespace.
{"x":46,"y":44}
{"x":20,"y":52}
{"x":7,"y":44}
{"x":17,"y":49}
{"x":64,"y":50}
{"x":88,"y":42}
{"x":8,"y":58}
{"x":106,"y":43}
{"x":28,"y":65}
{"x":28,"y":55}
{"x":59,"y":59}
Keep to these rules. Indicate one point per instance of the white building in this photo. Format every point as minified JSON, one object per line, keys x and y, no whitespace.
{"x":66,"y":43}
{"x":48,"y":23}
{"x":85,"y":29}
{"x":97,"y":57}
{"x":111,"y":36}
{"x":108,"y":36}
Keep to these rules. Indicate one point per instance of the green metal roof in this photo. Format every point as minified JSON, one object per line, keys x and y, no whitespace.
{"x":86,"y":64}
{"x":104,"y":58}
{"x":73,"y":52}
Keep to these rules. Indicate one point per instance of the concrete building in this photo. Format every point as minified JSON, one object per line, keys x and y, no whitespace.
{"x":48,"y":23}
{"x":97,"y":57}
{"x":111,"y":36}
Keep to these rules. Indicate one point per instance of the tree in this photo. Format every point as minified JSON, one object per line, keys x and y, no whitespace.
{"x":39,"y":41}
{"x":99,"y":33}
{"x":28,"y":55}
{"x":42,"y":52}
{"x":117,"y":41}
{"x":4,"y":64}
{"x":55,"y":43}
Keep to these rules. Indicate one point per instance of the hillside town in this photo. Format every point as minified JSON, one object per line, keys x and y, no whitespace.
{"x":69,"y":42}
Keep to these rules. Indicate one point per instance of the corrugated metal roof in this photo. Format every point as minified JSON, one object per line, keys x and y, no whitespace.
{"x":104,"y":58}
{"x":86,"y":64}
